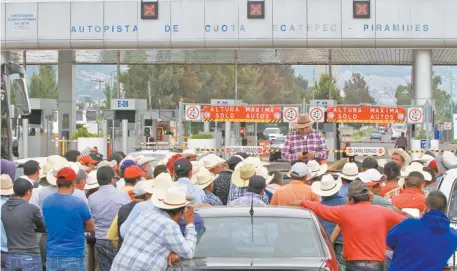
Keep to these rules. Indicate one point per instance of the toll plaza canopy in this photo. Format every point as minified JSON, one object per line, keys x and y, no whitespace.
{"x":197,"y":24}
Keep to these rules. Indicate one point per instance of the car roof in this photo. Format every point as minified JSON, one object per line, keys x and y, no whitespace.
{"x":243,"y":210}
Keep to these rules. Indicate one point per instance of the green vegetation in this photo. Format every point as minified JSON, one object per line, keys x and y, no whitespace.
{"x":44,"y":83}
{"x":201,"y":136}
{"x":82,"y":131}
{"x":356,"y":91}
{"x":362,"y":133}
{"x":321,"y":89}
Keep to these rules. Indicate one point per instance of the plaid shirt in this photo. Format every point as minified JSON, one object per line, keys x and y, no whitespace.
{"x":247,"y":198}
{"x":237,"y":192}
{"x":149,"y":241}
{"x":296,"y":144}
{"x":212,"y":199}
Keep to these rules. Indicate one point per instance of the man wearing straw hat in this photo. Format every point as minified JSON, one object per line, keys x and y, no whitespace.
{"x":305,"y":143}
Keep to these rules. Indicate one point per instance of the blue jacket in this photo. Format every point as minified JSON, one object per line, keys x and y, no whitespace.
{"x":334,"y":200}
{"x":424,"y":244}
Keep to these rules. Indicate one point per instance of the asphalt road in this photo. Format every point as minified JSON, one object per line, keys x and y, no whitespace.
{"x":384,"y":142}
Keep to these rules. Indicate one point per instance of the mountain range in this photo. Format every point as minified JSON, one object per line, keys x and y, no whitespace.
{"x":382,"y":80}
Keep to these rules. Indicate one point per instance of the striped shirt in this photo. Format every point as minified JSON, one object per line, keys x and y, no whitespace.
{"x":104,"y":206}
{"x":149,"y":241}
{"x":247,"y":199}
{"x":237,"y":192}
{"x":295,"y":190}
{"x":295,"y":144}
{"x":212,"y":199}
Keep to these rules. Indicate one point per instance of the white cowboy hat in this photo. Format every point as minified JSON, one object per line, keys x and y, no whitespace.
{"x":189,"y":153}
{"x":449,"y":160}
{"x":196,"y":166}
{"x":51,"y":177}
{"x":203,"y":178}
{"x":402,"y":153}
{"x":91,"y":181}
{"x":409,"y":169}
{"x":106,"y":163}
{"x":327,"y":186}
{"x":316,"y":169}
{"x":263,"y":171}
{"x":370,"y":175}
{"x":6,"y":185}
{"x":211,"y":161}
{"x":243,"y":171}
{"x":145,"y":159}
{"x":50,"y":161}
{"x":173,"y":198}
{"x":303,"y":121}
{"x":255,"y":161}
{"x":350,"y":171}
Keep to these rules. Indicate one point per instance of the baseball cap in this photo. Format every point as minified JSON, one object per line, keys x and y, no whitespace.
{"x":87,"y":159}
{"x":357,"y":189}
{"x":138,"y":189}
{"x":257,"y":184}
{"x":299,"y":170}
{"x":66,"y":174}
{"x":369,"y":163}
{"x":30,"y":167}
{"x":182,"y":166}
{"x":133,"y":172}
{"x":126,"y":164}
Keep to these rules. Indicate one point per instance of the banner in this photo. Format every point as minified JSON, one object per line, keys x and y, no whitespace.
{"x":365,"y":114}
{"x":241,"y":113}
{"x":252,"y":150}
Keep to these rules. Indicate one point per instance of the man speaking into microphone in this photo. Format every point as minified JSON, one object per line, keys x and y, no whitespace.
{"x":304,"y":143}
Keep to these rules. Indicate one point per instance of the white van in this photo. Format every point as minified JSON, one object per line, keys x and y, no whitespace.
{"x":449,"y":187}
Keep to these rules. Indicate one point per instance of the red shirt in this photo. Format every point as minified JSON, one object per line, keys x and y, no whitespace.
{"x":363,"y":225}
{"x":409,"y":198}
{"x":388,"y":188}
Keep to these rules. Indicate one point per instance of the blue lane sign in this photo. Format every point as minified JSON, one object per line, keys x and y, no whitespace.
{"x":423,"y":142}
{"x":122,"y":103}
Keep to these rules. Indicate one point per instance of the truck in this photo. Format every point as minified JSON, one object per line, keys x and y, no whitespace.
{"x":9,"y":145}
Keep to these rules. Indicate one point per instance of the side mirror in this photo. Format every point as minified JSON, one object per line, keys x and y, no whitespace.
{"x":21,"y":96}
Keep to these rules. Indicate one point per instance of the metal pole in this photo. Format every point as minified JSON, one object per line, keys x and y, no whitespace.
{"x":105,"y":135}
{"x":330,"y":74}
{"x":236,"y":125}
{"x":179,"y":123}
{"x":452,"y":105}
{"x":125,"y":134}
{"x":25,"y":138}
{"x":118,"y":81}
{"x":428,"y":108}
{"x":112,"y":136}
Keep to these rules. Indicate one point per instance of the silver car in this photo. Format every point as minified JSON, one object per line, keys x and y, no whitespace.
{"x":273,"y":238}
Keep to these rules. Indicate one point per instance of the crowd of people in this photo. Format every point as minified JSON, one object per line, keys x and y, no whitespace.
{"x":79,"y":213}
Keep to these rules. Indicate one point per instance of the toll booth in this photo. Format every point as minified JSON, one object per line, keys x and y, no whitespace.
{"x":131,"y":110}
{"x":42,"y":123}
{"x":156,"y":123}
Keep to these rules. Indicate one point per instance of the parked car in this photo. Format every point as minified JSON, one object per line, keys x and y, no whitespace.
{"x":273,"y":238}
{"x":376,"y":135}
{"x":276,"y":146}
{"x":449,"y":187}
{"x":271,"y":132}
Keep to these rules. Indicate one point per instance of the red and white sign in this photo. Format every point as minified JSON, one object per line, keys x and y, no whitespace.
{"x":253,"y":150}
{"x":316,"y":114}
{"x":375,"y":151}
{"x":241,"y":113}
{"x":289,"y":114}
{"x":365,"y":114}
{"x":415,"y":115}
{"x":193,"y":113}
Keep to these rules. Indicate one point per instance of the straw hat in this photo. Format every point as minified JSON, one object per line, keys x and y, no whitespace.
{"x":6,"y":185}
{"x":189,"y":153}
{"x":243,"y":171}
{"x":50,"y":161}
{"x":145,"y":159}
{"x":303,"y":121}
{"x":263,"y":171}
{"x":106,"y":163}
{"x":400,"y":152}
{"x":211,"y":161}
{"x":255,"y":161}
{"x":51,"y":177}
{"x":91,"y":181}
{"x":370,"y":175}
{"x":203,"y":178}
{"x":173,"y":198}
{"x":327,"y":186}
{"x":317,"y":169}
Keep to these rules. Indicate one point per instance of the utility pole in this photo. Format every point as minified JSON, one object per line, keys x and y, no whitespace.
{"x":100,"y":81}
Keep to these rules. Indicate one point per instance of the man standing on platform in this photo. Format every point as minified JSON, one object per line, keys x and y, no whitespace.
{"x":305,"y":143}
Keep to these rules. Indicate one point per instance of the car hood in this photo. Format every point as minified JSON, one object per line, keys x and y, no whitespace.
{"x":290,"y":263}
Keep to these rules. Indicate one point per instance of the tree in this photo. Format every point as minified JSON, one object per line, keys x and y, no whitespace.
{"x":404,"y":95}
{"x":44,"y":83}
{"x":321,"y":89}
{"x":356,"y":91}
{"x":107,"y":95}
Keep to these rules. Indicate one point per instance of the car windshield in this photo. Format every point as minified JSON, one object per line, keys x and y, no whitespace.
{"x":452,"y":210}
{"x":267,"y":237}
{"x":271,"y":131}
